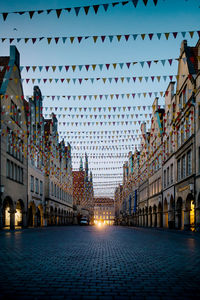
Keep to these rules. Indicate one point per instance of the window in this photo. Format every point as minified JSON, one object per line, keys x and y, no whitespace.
{"x":36,"y":185}
{"x":168,"y":176}
{"x":8,"y":168}
{"x":54,"y":190}
{"x":41,"y":188}
{"x":185,"y":96}
{"x":164,"y":178}
{"x":189,"y":162}
{"x":183,"y":166}
{"x":32,"y":183}
{"x":179,"y":169}
{"x":172,"y":173}
{"x":189,"y":129}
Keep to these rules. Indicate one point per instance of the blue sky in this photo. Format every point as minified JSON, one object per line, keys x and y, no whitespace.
{"x":167,"y":16}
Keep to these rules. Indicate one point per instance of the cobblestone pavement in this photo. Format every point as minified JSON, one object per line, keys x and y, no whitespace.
{"x":94,"y":263}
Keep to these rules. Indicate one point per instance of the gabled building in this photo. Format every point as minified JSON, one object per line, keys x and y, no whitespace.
{"x":185,"y":137}
{"x":13,"y":144}
{"x":104,"y":211}
{"x":169,"y":161}
{"x":143,"y":177}
{"x":83,"y":193}
{"x":197,"y":140}
{"x":36,"y":160}
{"x":155,"y":166}
{"x":58,"y":177}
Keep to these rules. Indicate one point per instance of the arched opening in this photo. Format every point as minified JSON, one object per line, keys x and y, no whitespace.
{"x":32,"y":220}
{"x":40,"y":215}
{"x":154,"y":216}
{"x":189,"y":216}
{"x":150,"y":217}
{"x":165,"y":214}
{"x":8,"y":213}
{"x":159,"y":215}
{"x":179,"y":213}
{"x":19,"y":211}
{"x":171,"y":213}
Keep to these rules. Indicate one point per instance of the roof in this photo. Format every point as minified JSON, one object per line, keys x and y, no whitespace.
{"x":105,"y":201}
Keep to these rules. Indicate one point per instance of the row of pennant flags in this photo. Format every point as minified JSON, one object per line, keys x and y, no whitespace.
{"x":91,"y":97}
{"x":104,"y":80}
{"x":118,"y":116}
{"x":102,"y":38}
{"x":101,"y":108}
{"x":76,"y":10}
{"x":99,"y":67}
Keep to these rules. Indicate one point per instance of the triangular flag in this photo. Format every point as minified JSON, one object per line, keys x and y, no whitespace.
{"x":31,"y":13}
{"x":105,"y":6}
{"x":96,"y":7}
{"x":86,"y":9}
{"x":58,"y":12}
{"x":135,"y":2}
{"x":77,"y":9}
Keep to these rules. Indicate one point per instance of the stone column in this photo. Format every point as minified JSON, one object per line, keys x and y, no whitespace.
{"x":154,"y":220}
{"x":24,"y":219}
{"x":146,"y":220}
{"x":12,"y":219}
{"x":159,"y":219}
{"x":149,"y":220}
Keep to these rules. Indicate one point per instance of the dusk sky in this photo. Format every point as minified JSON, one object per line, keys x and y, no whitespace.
{"x":166,"y":16}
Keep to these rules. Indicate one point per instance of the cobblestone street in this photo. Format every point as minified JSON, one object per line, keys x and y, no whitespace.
{"x":99,"y":263}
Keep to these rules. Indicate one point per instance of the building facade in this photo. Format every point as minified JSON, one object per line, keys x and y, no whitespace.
{"x":13,"y":144}
{"x":104,"y":211}
{"x":36,"y":185}
{"x":168,"y":184}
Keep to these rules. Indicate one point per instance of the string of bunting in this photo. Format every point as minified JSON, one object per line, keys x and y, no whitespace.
{"x":92,"y":97}
{"x":100,"y":108}
{"x":101,"y":67}
{"x":97,"y":79}
{"x":118,"y":116}
{"x":102,"y":123}
{"x":102,"y":38}
{"x":76,"y":10}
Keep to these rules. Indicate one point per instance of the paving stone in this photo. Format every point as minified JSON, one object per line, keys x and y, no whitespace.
{"x":115,"y":263}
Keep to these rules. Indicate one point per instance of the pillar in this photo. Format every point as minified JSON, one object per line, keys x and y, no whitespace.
{"x":12,"y":218}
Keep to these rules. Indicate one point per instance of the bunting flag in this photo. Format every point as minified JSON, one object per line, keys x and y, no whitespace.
{"x":102,"y":38}
{"x":95,"y":8}
{"x":101,"y":67}
{"x":97,"y":79}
